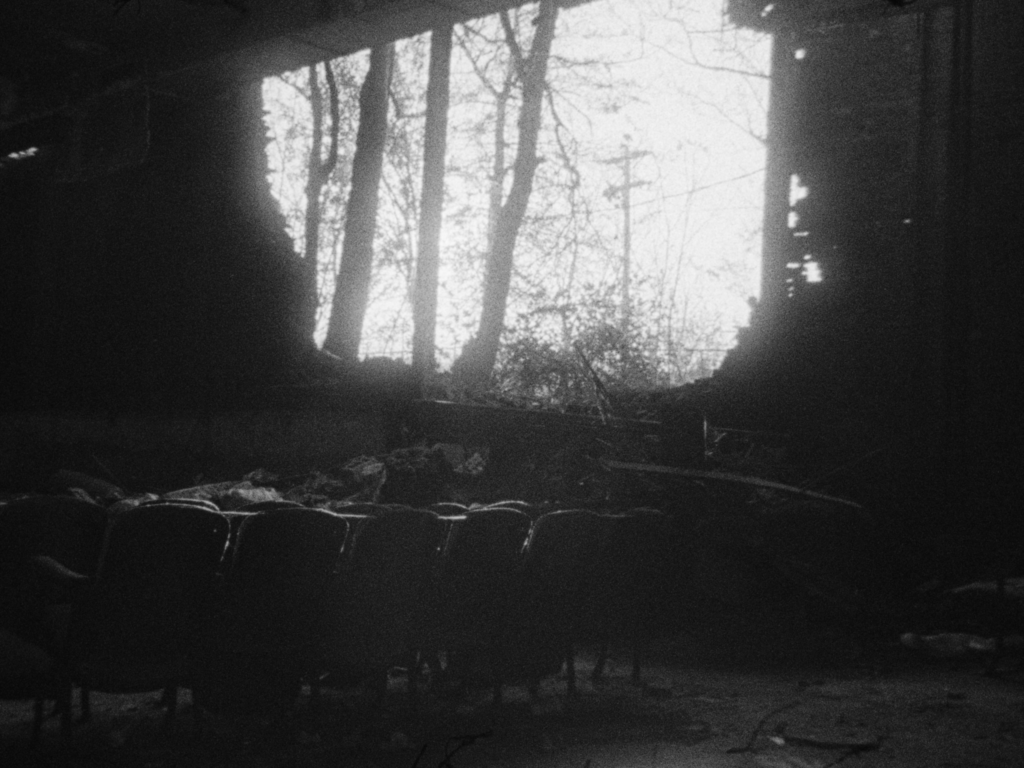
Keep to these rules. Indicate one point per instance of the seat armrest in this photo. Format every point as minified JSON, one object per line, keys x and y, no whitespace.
{"x":55,"y":582}
{"x":55,"y":571}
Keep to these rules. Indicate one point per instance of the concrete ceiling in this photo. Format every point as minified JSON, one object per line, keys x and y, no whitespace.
{"x":54,"y":52}
{"x":774,"y":15}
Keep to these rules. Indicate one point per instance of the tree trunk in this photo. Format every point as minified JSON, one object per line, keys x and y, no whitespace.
{"x":319,"y":172}
{"x":498,"y":166}
{"x":478,"y":357}
{"x":350,"y":296}
{"x":431,"y":201}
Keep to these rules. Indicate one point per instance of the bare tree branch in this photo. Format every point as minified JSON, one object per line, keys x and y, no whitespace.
{"x":513,"y":45}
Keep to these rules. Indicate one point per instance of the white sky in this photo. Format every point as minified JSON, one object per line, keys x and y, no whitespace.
{"x":696,"y":125}
{"x":696,"y":222}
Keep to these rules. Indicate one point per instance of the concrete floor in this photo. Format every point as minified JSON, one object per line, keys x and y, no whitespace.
{"x":810,"y":717}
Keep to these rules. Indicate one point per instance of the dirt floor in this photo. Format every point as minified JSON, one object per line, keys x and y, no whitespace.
{"x":685,"y":714}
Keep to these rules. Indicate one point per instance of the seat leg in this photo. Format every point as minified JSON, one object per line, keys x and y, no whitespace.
{"x":38,"y":714}
{"x":64,"y":702}
{"x":170,"y":699}
{"x":636,"y":677}
{"x":602,"y":661}
{"x":198,"y":720}
{"x":84,"y":704}
{"x":991,"y":668}
{"x":376,"y":688}
{"x":413,"y":679}
{"x":570,"y":669}
{"x":434,"y":666}
{"x":641,"y":641}
{"x":315,"y":697}
{"x":165,"y":697}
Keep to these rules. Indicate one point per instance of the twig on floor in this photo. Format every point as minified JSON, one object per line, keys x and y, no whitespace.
{"x":841,"y":758}
{"x":856,"y":749}
{"x":460,"y":742}
{"x":416,"y":762}
{"x":749,"y":746}
{"x":850,"y":752}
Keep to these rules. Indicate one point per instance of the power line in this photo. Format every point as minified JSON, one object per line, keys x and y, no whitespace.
{"x":691,"y":191}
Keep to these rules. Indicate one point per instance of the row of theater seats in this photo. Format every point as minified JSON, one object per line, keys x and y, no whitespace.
{"x":242,"y":607}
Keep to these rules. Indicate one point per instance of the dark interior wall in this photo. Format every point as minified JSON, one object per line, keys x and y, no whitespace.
{"x":168,"y":282}
{"x":907,"y":130}
{"x":987,"y":325}
{"x":851,"y":363}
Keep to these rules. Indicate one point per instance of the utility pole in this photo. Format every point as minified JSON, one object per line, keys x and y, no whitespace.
{"x":625,"y":160}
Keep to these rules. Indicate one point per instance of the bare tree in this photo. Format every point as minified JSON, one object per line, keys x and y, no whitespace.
{"x":502,"y":96}
{"x":479,"y":355}
{"x":350,"y":296}
{"x":319,"y":172}
{"x":431,"y":200}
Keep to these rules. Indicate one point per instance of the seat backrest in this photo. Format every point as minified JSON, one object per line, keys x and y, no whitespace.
{"x":549,"y":603}
{"x":379,"y":603}
{"x":67,"y":529}
{"x":152,"y":592}
{"x":396,"y":549}
{"x":201,"y":503}
{"x":480,"y":565}
{"x":522,"y":506}
{"x":562,"y":551}
{"x":630,"y":569}
{"x":164,"y":542}
{"x":296,"y":549}
{"x":268,"y":505}
{"x":365,"y":509}
{"x":64,"y":528}
{"x":448,"y":508}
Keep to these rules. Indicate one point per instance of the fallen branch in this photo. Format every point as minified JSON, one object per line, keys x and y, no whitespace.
{"x":729,"y":477}
{"x":854,"y":744}
{"x":457,"y":743}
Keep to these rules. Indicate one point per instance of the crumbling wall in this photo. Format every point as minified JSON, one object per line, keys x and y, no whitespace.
{"x":896,"y":169}
{"x":842,"y":349}
{"x":168,"y":283}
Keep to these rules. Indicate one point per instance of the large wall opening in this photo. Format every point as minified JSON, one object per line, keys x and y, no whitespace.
{"x":641,"y":244}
